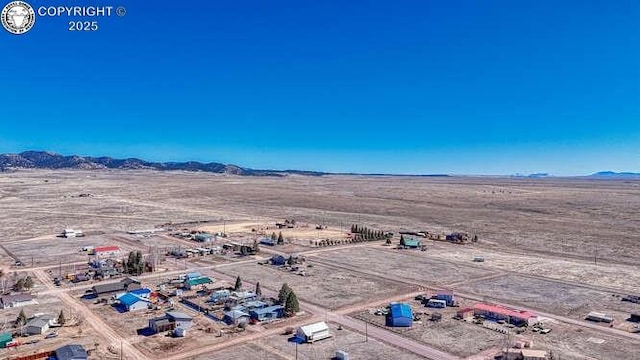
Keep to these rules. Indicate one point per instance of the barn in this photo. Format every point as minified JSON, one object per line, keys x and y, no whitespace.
{"x":400,"y":315}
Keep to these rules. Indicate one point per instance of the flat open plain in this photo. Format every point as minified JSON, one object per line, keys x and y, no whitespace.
{"x":560,"y":246}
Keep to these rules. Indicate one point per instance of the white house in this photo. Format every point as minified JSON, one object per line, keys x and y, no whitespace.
{"x":39,"y":324}
{"x":9,"y":301}
{"x":313,"y":332}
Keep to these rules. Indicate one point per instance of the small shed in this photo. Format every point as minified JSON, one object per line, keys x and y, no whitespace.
{"x":313,"y":332}
{"x":180,"y":332}
{"x":342,"y":355}
{"x":599,"y":317}
{"x":465,"y":314}
{"x":529,"y":354}
{"x":400,"y":315}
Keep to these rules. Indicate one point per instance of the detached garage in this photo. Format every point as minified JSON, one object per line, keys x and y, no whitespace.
{"x":400,"y":315}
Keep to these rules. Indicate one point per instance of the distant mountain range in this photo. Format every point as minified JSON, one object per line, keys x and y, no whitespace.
{"x":48,"y":160}
{"x":615,"y":175}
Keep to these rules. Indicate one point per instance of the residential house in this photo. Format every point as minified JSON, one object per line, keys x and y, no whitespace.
{"x":235,"y":317}
{"x":39,"y":324}
{"x":267,"y":313}
{"x":9,"y":301}
{"x":5,"y":338}
{"x":191,"y":283}
{"x":170,"y":321}
{"x":132,"y":302}
{"x":71,"y":352}
{"x":106,"y":250}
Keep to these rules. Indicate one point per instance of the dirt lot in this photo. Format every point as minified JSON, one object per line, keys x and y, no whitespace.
{"x":454,"y":336}
{"x":346,"y":340}
{"x":561,"y":299}
{"x":324,"y":286}
{"x":580,"y":344}
{"x":569,"y":269}
{"x":249,"y":351}
{"x":405,"y":264}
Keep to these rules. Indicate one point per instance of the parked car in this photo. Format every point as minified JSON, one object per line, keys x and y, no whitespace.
{"x":51,"y":335}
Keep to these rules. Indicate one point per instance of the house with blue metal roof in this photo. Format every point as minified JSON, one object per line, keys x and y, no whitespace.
{"x":267,"y":313}
{"x":400,"y":315}
{"x":235,"y":317}
{"x":257,"y":304}
{"x":143,"y":292}
{"x":132,"y":302}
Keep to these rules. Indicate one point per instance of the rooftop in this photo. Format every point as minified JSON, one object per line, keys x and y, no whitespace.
{"x":269,"y":309}
{"x":176,"y":315}
{"x":401,"y":310}
{"x":497,"y":309}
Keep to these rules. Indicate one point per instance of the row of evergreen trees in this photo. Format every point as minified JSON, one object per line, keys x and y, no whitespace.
{"x":134,"y":264}
{"x":367,"y":234}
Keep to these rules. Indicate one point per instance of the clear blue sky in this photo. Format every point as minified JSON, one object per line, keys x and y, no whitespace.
{"x":463,"y":87}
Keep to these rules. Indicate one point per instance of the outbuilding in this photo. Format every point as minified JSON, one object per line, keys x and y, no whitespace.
{"x":599,"y":317}
{"x":400,"y":315}
{"x":313,"y":332}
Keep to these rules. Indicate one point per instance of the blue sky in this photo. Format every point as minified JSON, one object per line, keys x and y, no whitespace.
{"x":462,"y":87}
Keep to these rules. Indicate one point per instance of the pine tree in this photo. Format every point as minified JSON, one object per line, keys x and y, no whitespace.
{"x":290,"y":260}
{"x":256,"y":247}
{"x":273,"y":236}
{"x":283,"y":294}
{"x":402,"y":240}
{"x":353,"y":228}
{"x":280,"y":238}
{"x":28,"y":282}
{"x":258,"y":290}
{"x":291,"y":305}
{"x":238,"y":284}
{"x":61,"y":318}
{"x":22,"y":318}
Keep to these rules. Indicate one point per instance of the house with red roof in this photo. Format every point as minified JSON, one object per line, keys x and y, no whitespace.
{"x":511,"y":316}
{"x":106,"y":250}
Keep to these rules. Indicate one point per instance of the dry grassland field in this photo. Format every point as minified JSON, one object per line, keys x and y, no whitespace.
{"x":345,"y":340}
{"x":404,"y":265}
{"x":563,"y":246}
{"x":561,"y":299}
{"x":331,"y":288}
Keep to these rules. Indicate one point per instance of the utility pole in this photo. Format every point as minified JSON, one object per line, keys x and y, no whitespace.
{"x":296,"y":350}
{"x":366,"y":332}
